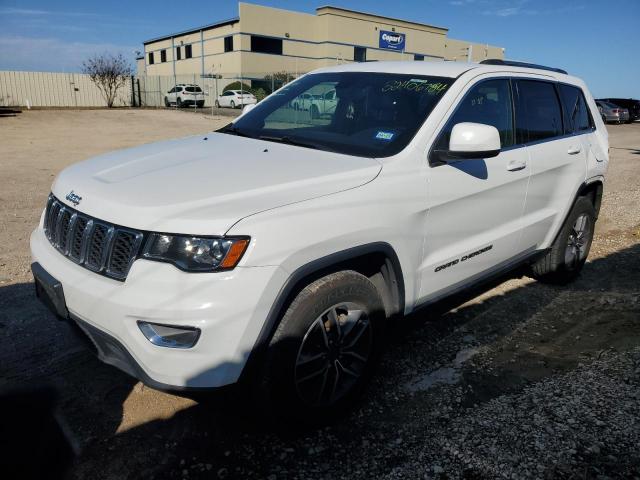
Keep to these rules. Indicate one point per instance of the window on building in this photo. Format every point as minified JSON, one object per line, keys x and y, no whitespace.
{"x":538,"y":113}
{"x":576,"y":113}
{"x":163,"y":55}
{"x":266,"y":45}
{"x":188,"y":52}
{"x":488,"y":102}
{"x":359,"y":54}
{"x":178,"y":53}
{"x":228,"y":44}
{"x":150,"y":58}
{"x":418,"y":58}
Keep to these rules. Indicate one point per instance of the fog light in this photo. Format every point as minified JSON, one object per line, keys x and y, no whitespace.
{"x":170,"y":336}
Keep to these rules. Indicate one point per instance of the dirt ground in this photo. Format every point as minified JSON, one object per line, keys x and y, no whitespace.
{"x":522,"y":380}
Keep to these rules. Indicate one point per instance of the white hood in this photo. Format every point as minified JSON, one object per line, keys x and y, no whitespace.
{"x":202,"y":185}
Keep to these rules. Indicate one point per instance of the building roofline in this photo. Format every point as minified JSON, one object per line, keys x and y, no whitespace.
{"x":221,"y":23}
{"x":382,"y":17}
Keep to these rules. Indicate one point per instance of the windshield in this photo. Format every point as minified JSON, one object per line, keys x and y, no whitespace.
{"x":356,"y":113}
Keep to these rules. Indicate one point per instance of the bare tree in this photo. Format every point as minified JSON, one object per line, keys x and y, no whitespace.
{"x":109,"y":72}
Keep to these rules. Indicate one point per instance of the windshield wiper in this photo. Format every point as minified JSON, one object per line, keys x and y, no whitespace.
{"x":291,"y":141}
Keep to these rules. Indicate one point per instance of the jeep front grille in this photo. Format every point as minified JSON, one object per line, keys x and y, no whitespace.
{"x":99,"y":246}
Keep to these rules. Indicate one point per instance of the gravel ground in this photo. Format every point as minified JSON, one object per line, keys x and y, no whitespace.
{"x":518,"y":380}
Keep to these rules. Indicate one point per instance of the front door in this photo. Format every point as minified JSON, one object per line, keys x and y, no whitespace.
{"x":475,"y":206}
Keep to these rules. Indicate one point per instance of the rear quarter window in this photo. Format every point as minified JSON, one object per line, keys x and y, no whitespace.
{"x":576,"y":113}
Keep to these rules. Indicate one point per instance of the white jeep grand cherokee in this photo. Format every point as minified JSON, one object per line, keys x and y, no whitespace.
{"x":274,"y":249}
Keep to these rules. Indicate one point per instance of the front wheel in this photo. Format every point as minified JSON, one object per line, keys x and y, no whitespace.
{"x":217,"y":104}
{"x":166,"y":102}
{"x":569,"y":252}
{"x":232,"y":104}
{"x":324,"y":349}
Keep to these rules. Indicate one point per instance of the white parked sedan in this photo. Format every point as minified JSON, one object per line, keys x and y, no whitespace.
{"x":235,"y":98}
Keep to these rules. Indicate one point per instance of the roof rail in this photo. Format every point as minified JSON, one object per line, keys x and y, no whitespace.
{"x":510,"y":63}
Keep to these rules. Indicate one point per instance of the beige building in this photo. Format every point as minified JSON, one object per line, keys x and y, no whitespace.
{"x":263,"y":40}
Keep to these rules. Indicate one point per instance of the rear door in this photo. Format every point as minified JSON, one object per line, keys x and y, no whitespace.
{"x":557,"y":155}
{"x":473,"y":223}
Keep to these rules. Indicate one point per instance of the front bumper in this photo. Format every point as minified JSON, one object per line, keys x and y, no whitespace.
{"x":228,"y":307}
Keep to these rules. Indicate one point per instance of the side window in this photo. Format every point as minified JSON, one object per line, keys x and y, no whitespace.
{"x":538,"y":113}
{"x":576,"y":112}
{"x":488,"y":102}
{"x":228,"y":44}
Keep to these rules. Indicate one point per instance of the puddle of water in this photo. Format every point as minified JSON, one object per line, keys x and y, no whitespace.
{"x":448,"y":375}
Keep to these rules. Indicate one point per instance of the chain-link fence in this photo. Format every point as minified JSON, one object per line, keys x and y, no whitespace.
{"x":45,"y":89}
{"x":157,"y":91}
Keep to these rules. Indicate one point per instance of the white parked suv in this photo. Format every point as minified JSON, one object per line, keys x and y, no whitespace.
{"x":271,"y":252}
{"x":185,"y":95}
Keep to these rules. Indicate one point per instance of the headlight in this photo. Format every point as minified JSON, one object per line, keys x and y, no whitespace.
{"x":195,"y":254}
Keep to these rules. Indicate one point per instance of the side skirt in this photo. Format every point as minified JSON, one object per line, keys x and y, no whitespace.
{"x":528,"y":256}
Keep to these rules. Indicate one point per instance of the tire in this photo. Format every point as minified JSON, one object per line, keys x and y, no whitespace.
{"x":217,"y":104}
{"x":166,"y":102}
{"x":570,"y":250}
{"x":307,"y":341}
{"x":232,"y":104}
{"x":179,"y":102}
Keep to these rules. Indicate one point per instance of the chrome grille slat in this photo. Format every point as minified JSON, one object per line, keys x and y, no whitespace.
{"x":98,"y":246}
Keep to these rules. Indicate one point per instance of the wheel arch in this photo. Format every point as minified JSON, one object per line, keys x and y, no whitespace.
{"x":593,"y":190}
{"x":377,"y":261}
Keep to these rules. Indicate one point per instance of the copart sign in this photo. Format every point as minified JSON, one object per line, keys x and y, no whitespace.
{"x":392,"y":40}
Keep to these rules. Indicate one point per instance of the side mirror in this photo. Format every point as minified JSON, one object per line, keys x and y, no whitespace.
{"x":248,"y":108}
{"x":471,"y":140}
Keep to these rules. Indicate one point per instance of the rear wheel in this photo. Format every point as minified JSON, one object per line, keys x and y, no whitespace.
{"x":232,"y":104}
{"x":179,"y":102}
{"x":166,"y":102}
{"x":217,"y":104}
{"x":569,"y":252}
{"x":324,"y":349}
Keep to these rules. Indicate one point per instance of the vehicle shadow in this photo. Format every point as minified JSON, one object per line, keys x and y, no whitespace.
{"x":220,"y":436}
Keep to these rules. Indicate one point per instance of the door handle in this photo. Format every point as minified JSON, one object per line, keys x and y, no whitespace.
{"x":574,"y":150}
{"x":515,"y":165}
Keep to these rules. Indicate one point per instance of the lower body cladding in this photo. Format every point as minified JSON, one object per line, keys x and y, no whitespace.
{"x":197,"y":103}
{"x":226,"y":309}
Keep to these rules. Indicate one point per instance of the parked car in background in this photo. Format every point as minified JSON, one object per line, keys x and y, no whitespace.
{"x":302,"y":101}
{"x":324,"y":104}
{"x":235,"y":98}
{"x":631,"y":104}
{"x":184,"y":95}
{"x":611,"y":113}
